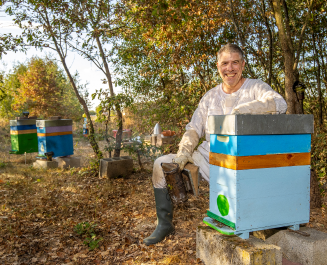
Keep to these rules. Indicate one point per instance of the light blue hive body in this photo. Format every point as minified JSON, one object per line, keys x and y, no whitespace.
{"x":85,"y":127}
{"x":55,"y":136}
{"x":246,"y":197}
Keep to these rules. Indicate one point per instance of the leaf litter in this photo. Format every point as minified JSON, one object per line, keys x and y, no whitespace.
{"x":40,"y":209}
{"x":37,"y":218}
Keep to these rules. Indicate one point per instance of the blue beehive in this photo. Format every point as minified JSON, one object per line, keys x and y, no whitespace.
{"x":259,"y":172}
{"x":55,"y":136}
{"x":85,"y":128}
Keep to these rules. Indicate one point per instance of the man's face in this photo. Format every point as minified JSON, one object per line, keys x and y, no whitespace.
{"x":230,"y":68}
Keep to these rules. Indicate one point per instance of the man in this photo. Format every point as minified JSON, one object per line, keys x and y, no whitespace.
{"x":236,"y":95}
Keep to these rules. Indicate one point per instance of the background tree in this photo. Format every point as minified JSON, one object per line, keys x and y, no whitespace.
{"x":40,"y":87}
{"x":10,"y":84}
{"x":48,"y":27}
{"x":165,"y":51}
{"x":96,"y":23}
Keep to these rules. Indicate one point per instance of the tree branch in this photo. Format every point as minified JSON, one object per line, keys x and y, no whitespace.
{"x":298,"y":52}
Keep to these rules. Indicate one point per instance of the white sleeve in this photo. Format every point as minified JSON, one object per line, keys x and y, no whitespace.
{"x":199,"y":118}
{"x":264,"y":91}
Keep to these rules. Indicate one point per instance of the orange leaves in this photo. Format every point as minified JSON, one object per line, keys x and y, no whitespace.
{"x":42,"y":88}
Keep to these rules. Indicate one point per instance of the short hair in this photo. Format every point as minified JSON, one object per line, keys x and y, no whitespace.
{"x":229,"y":47}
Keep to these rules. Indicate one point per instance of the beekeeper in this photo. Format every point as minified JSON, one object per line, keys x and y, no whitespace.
{"x":236,"y":95}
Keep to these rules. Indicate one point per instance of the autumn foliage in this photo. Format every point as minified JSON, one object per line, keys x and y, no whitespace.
{"x":45,"y":91}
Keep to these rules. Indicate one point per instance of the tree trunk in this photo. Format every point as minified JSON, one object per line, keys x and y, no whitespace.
{"x":91,"y":137}
{"x":291,"y":99}
{"x":112,"y":94}
{"x":270,"y":38}
{"x":316,"y":57}
{"x":291,"y":59}
{"x":139,"y":159}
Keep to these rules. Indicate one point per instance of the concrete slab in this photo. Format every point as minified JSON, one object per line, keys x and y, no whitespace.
{"x":311,"y":250}
{"x":68,"y":162}
{"x":214,"y":248}
{"x":45,"y":164}
{"x":116,"y":166}
{"x":287,"y":262}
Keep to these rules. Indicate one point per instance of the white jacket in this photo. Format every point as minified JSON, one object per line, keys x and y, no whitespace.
{"x":217,"y":102}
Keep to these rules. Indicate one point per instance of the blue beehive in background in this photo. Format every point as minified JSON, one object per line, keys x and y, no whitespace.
{"x":259,"y":172}
{"x":55,"y":136}
{"x":85,"y":128}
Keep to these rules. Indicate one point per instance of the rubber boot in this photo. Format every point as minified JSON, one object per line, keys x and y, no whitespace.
{"x":164,"y":209}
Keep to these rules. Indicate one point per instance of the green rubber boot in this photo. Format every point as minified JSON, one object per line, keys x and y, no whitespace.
{"x":164,"y":208}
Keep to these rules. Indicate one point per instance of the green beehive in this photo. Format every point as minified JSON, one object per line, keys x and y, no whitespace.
{"x":23,"y":135}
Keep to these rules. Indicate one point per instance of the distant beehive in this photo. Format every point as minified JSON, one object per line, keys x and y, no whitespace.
{"x":259,"y":172}
{"x":85,"y":128}
{"x":23,"y":136}
{"x":127,"y":134}
{"x":55,"y":136}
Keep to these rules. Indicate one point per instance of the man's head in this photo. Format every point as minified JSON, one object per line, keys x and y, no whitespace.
{"x":230,"y":66}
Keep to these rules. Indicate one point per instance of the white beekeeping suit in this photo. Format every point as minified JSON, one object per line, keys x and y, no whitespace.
{"x":254,"y":96}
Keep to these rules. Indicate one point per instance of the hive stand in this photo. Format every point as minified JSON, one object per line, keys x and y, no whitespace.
{"x":115,"y":167}
{"x":259,"y":172}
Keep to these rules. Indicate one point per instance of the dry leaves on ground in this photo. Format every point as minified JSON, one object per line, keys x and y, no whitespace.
{"x":39,"y":210}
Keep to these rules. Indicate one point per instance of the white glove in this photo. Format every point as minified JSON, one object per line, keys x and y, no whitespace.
{"x":186,"y":147}
{"x":182,"y":160}
{"x":265,"y":106}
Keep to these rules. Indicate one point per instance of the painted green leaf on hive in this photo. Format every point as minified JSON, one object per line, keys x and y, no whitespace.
{"x":223,"y":205}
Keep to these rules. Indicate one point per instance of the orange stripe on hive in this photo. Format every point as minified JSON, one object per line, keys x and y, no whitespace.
{"x":13,"y":132}
{"x":54,"y":134}
{"x":260,"y":161}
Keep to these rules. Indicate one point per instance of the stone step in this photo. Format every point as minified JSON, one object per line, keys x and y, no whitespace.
{"x":214,"y":248}
{"x":306,"y":250}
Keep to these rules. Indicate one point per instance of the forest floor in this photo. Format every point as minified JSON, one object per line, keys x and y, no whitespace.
{"x":47,"y":216}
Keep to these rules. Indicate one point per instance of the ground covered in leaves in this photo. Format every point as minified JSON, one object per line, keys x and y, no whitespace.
{"x":69,"y":217}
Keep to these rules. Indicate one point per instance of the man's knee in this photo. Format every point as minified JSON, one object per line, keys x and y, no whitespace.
{"x":163,"y":159}
{"x":158,"y":178}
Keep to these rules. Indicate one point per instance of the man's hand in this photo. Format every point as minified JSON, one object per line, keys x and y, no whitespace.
{"x":186,"y":147}
{"x":182,"y":160}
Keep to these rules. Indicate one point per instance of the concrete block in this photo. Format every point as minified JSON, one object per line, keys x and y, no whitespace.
{"x":311,"y":250}
{"x":116,"y":166}
{"x":68,"y":162}
{"x":214,"y":248}
{"x":45,"y":164}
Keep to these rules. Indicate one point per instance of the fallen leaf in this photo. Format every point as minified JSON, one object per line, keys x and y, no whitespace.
{"x":105,"y":253}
